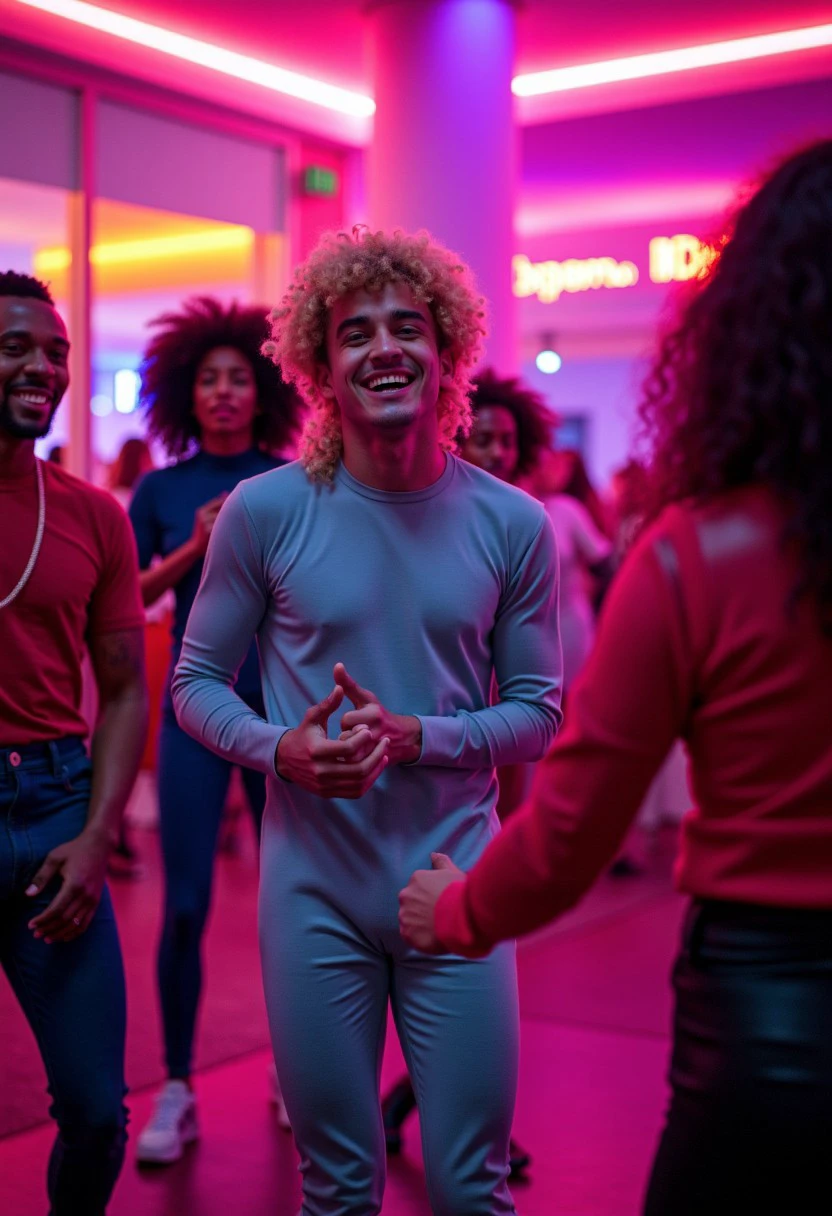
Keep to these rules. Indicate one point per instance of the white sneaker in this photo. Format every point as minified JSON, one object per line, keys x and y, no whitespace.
{"x":276,"y":1099}
{"x":172,"y":1125}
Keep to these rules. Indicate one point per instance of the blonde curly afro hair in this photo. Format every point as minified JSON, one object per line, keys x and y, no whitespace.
{"x":342,"y":263}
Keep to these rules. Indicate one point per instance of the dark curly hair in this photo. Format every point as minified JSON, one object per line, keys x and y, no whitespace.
{"x":741,"y":390}
{"x":24,"y":287}
{"x":535,"y":421}
{"x":170,"y":363}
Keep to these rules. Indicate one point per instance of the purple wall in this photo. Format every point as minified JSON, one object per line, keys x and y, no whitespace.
{"x":657,"y":171}
{"x":604,"y":392}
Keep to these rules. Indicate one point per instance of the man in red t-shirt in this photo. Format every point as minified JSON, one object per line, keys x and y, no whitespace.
{"x":68,"y":582}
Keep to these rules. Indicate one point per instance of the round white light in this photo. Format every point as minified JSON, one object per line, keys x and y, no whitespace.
{"x":548,"y":361}
{"x":101,"y":405}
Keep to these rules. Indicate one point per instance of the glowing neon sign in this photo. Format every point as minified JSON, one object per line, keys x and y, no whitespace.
{"x":548,"y":280}
{"x":676,"y":259}
{"x":672,"y":259}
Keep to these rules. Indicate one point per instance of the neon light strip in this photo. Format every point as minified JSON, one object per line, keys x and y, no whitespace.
{"x":256,"y":71}
{"x":344,"y":101}
{"x":49,"y":261}
{"x":660,"y":63}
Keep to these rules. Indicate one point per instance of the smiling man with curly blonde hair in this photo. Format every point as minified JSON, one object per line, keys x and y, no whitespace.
{"x":344,"y":263}
{"x":382,"y":570}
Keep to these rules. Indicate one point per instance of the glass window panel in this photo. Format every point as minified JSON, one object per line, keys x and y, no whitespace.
{"x":40,"y":135}
{"x":146,"y":262}
{"x":156,"y":161}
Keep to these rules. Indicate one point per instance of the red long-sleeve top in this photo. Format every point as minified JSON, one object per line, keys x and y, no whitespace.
{"x":700,"y":638}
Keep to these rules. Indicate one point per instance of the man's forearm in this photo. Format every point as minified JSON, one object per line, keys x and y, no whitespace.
{"x":511,"y":732}
{"x":210,"y":711}
{"x":117,"y":746}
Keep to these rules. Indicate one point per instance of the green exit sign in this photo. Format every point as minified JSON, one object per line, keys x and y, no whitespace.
{"x":320,"y":181}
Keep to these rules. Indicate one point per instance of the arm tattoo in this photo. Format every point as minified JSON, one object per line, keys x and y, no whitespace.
{"x":117,"y":650}
{"x":118,"y":658}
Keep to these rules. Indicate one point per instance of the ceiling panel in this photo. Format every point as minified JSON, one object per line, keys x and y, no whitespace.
{"x":328,"y":39}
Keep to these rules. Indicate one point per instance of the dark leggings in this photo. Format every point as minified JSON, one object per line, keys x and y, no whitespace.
{"x":749,"y":1129}
{"x":193,"y":783}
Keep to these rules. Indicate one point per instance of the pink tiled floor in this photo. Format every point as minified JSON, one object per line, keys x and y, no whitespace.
{"x":594,"y":1005}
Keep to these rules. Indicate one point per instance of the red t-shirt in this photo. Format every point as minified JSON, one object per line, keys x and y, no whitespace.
{"x":85,"y":583}
{"x":714,"y":654}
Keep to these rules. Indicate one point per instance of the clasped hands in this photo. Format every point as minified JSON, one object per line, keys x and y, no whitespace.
{"x":347,"y":767}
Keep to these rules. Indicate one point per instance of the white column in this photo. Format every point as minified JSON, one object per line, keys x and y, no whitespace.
{"x":443,"y":152}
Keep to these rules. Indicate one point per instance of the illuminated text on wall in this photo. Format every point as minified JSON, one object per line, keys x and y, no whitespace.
{"x":671,"y":259}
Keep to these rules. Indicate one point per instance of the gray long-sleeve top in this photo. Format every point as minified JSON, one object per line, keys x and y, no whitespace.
{"x":422,"y":595}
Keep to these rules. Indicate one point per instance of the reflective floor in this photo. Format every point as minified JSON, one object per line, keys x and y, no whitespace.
{"x":595,"y":1009}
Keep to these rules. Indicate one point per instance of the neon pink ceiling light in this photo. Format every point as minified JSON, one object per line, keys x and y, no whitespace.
{"x":345,"y":101}
{"x":662,"y":63}
{"x":244,"y":67}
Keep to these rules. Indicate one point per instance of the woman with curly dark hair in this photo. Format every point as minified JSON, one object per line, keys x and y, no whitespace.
{"x":222,"y":411}
{"x":718,"y":630}
{"x":511,"y":438}
{"x":512,"y":427}
{"x":511,"y":433}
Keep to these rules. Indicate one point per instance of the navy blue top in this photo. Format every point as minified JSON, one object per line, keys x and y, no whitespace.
{"x":162,"y":514}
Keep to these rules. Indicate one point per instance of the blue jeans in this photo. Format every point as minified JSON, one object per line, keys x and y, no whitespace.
{"x":193,"y":783}
{"x":72,"y":993}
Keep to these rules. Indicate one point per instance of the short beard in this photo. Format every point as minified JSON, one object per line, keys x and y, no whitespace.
{"x":22,"y":430}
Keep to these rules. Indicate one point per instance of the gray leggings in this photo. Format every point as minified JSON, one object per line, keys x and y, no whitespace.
{"x":328,"y":979}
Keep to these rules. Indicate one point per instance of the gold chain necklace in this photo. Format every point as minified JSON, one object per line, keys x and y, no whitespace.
{"x":33,"y":556}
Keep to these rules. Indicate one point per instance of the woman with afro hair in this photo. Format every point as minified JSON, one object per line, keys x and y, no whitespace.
{"x":512,"y":428}
{"x":717,"y":630}
{"x":511,"y":438}
{"x":223,"y":413}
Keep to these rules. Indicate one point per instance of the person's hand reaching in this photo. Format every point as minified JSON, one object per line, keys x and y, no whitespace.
{"x":417,"y":903}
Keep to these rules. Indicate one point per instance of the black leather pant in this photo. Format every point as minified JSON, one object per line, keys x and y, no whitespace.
{"x":749,"y":1129}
